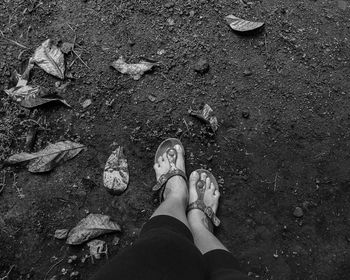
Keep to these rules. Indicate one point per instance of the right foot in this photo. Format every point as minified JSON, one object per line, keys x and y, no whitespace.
{"x":197,"y":217}
{"x":175,"y":185}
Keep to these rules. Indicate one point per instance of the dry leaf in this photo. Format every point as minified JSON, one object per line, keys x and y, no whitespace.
{"x":34,"y":101}
{"x":242,"y":25}
{"x":48,"y":158}
{"x":116,"y":172}
{"x":96,"y":248}
{"x":134,"y":70}
{"x":206,"y":114}
{"x":90,"y":227}
{"x":50,"y":58}
{"x":61,"y":233}
{"x":19,"y":93}
{"x":67,"y":47}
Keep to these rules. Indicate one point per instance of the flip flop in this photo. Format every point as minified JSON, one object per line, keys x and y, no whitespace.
{"x":167,"y":147}
{"x":199,"y":203}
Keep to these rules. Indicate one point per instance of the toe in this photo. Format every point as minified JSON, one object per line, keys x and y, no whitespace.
{"x":207,"y":183}
{"x":160,"y":160}
{"x":179,"y":150}
{"x":194,"y":177}
{"x":212,"y":188}
{"x":203,"y":176}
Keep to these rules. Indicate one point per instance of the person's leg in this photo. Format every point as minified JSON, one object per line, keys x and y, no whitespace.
{"x":200,"y":226}
{"x":220,"y":262}
{"x":165,"y":248}
{"x":176,"y":192}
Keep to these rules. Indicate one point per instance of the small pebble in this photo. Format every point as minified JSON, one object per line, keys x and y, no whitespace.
{"x":74,"y":275}
{"x":247,"y":72}
{"x":201,"y":66}
{"x":86,"y":103}
{"x":245,"y":114}
{"x":298,"y":212}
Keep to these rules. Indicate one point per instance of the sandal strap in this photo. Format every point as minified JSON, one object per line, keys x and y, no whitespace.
{"x":207,"y":210}
{"x":165,"y":178}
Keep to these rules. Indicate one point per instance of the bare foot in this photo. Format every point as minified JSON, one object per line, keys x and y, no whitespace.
{"x":197,"y":217}
{"x":175,"y":185}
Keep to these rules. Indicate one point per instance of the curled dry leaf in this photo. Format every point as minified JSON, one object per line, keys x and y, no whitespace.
{"x":96,"y":248}
{"x":116,"y":172}
{"x":50,"y":58}
{"x":90,"y":227}
{"x":242,"y":25}
{"x":61,"y":233}
{"x":67,"y":47}
{"x":31,"y":96}
{"x":206,"y":114}
{"x":19,"y":93}
{"x":134,"y":70}
{"x":48,"y":158}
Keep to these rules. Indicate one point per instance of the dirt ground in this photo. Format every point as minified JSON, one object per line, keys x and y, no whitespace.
{"x":281,"y":95}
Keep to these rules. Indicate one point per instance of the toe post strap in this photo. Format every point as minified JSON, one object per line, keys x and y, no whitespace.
{"x":208,"y":211}
{"x":165,"y":178}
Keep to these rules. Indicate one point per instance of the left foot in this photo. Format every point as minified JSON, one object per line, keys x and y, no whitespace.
{"x":196,"y":217}
{"x":176,"y":185}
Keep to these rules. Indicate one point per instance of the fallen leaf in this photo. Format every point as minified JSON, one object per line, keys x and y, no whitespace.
{"x":242,"y":25}
{"x":96,"y":248}
{"x":18,"y":93}
{"x":50,"y":58}
{"x":61,"y":233}
{"x":33,"y":96}
{"x":116,"y":172}
{"x":86,"y":103}
{"x":134,"y":70}
{"x":90,"y":227}
{"x":35,"y":101}
{"x":206,"y":114}
{"x":67,"y":47}
{"x":48,"y":158}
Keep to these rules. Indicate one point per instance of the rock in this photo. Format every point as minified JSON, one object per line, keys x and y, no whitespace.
{"x":72,"y":259}
{"x":61,"y":233}
{"x":169,"y":5}
{"x":74,"y":275}
{"x":170,"y":21}
{"x":116,"y":241}
{"x":152,"y":98}
{"x":245,"y":114}
{"x":202,"y":66}
{"x":86,"y":103}
{"x":97,"y":247}
{"x":298,"y":212}
{"x":247,"y":72}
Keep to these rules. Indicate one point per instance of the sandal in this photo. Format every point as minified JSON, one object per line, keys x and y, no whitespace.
{"x":199,"y":203}
{"x":167,"y":147}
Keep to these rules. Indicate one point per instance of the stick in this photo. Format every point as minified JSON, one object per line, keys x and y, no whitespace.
{"x":52,"y":267}
{"x":8,"y":273}
{"x":14,"y":42}
{"x":81,"y":59}
{"x":275,"y":185}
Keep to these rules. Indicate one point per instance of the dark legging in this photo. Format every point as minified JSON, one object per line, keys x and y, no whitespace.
{"x":165,"y":250}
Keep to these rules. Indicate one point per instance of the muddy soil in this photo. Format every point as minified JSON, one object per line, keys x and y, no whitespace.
{"x":281,"y":95}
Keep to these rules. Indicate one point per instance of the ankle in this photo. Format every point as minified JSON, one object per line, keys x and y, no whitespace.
{"x":199,"y":221}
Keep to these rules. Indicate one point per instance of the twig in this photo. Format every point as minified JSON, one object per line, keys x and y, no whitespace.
{"x":2,"y":184}
{"x":8,"y":273}
{"x":275,"y":185}
{"x":31,"y":120}
{"x":52,"y":267}
{"x":14,"y":42}
{"x":185,"y":124}
{"x":81,"y":59}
